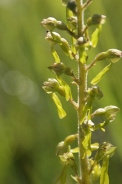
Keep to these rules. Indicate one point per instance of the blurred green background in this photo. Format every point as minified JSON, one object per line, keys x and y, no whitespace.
{"x":29,"y":125}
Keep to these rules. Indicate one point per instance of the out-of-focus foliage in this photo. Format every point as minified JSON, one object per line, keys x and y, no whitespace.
{"x":29,"y":125}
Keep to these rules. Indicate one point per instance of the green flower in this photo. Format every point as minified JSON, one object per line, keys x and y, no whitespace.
{"x":60,"y":68}
{"x":51,"y":23}
{"x":114,"y":55}
{"x":96,"y":19}
{"x":53,"y":38}
{"x":72,"y":6}
{"x":52,"y":85}
{"x":57,"y":68}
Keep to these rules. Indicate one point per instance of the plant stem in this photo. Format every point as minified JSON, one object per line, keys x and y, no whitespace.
{"x":84,"y":173}
{"x":82,"y":87}
{"x":80,"y":16}
{"x":87,"y":4}
{"x":91,"y":64}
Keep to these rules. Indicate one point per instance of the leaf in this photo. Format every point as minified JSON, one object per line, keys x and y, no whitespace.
{"x":68,"y":94}
{"x":62,"y":178}
{"x":60,"y":109}
{"x":104,"y":179}
{"x":55,"y":55}
{"x":95,"y":36}
{"x":99,"y":76}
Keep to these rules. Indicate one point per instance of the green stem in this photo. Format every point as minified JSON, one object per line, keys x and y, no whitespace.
{"x":91,"y":64}
{"x":86,"y":4}
{"x":82,"y":87}
{"x":80,"y":16}
{"x":84,"y":173}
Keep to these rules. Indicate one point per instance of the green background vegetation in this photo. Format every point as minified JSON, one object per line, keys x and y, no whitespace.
{"x":29,"y":125}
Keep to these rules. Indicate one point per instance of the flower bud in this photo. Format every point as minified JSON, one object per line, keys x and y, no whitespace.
{"x":96,"y":19}
{"x":49,"y":23}
{"x":57,"y":68}
{"x":114,"y":55}
{"x":71,"y":138}
{"x":60,"y":68}
{"x":52,"y":85}
{"x":109,"y":112}
{"x":101,"y":56}
{"x":95,"y":91}
{"x":99,"y":112}
{"x":72,"y":6}
{"x":61,"y":148}
{"x":53,"y":38}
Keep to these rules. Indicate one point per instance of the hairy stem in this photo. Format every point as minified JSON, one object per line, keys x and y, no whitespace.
{"x":86,"y":4}
{"x":91,"y":64}
{"x":80,"y":16}
{"x":82,"y":87}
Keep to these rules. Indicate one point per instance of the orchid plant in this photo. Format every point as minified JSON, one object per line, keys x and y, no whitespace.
{"x":88,"y":161}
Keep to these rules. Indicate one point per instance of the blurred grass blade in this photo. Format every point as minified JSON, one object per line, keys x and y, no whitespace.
{"x":60,"y":109}
{"x":100,"y":75}
{"x":62,"y":178}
